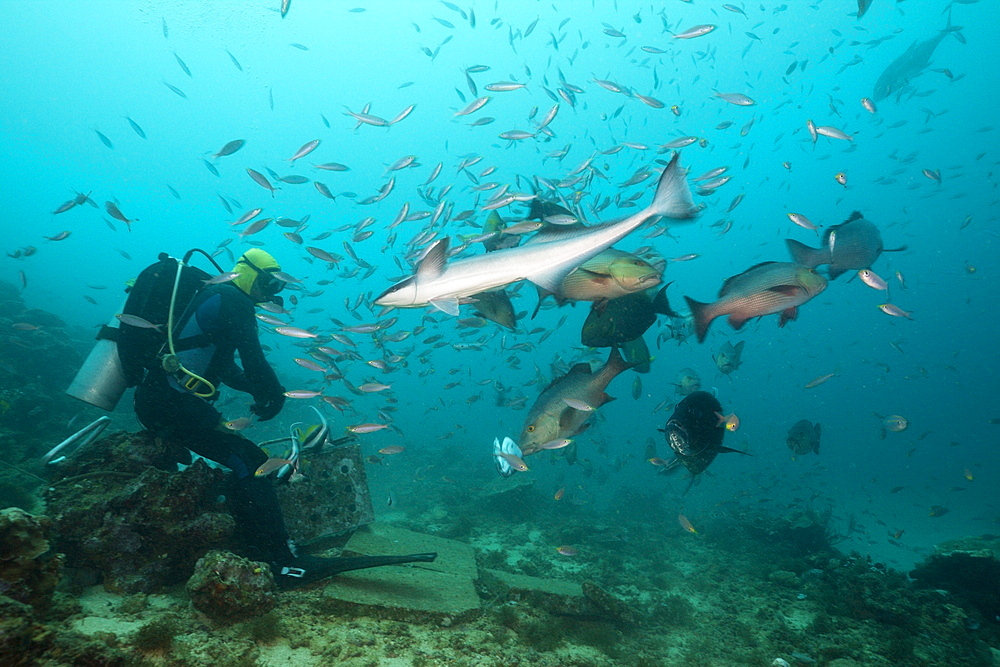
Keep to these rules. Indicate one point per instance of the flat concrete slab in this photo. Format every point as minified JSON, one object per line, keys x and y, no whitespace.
{"x":408,"y":592}
{"x":522,"y":583}
{"x":456,"y":558}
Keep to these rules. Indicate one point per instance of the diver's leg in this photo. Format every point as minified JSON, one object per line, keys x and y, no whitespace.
{"x":196,"y":424}
{"x":252,"y":500}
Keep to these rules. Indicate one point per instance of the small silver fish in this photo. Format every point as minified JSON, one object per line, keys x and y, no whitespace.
{"x":222,"y":278}
{"x":696,"y":31}
{"x":138,"y":322}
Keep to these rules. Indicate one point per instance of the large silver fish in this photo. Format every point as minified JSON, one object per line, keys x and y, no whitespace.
{"x":853,"y":244}
{"x":444,"y":284}
{"x":911,"y":63}
{"x":553,"y":416}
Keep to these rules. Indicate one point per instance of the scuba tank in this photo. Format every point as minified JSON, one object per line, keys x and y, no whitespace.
{"x":101,"y":380}
{"x":121,"y":357}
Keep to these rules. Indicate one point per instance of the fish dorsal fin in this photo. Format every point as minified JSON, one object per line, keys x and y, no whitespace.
{"x":433,"y":262}
{"x":854,"y":216}
{"x":494,"y":223}
{"x":661,"y":304}
{"x":726,"y":286}
{"x":542,"y":293}
{"x":541,"y":209}
{"x":580,"y":368}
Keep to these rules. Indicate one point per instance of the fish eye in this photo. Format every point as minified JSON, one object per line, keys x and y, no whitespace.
{"x":531,"y":427}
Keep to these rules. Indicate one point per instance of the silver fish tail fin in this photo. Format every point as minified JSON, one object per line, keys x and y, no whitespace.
{"x":673,"y":197}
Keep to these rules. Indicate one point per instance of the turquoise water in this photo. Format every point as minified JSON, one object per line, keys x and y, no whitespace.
{"x":71,"y":69}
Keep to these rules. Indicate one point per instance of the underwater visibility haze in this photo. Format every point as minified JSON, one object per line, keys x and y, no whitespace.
{"x":668,"y":326}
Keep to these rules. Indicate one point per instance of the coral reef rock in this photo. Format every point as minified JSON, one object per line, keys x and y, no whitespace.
{"x":38,"y":359}
{"x":28,"y":572}
{"x":228,"y":588}
{"x":140,"y":526}
{"x":969,"y":568}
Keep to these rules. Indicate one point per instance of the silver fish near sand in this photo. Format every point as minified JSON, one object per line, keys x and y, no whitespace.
{"x":552,"y":418}
{"x":852,"y":245}
{"x":764,"y":289}
{"x":911,"y":63}
{"x":444,"y":284}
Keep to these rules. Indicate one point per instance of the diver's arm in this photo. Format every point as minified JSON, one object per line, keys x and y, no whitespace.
{"x":233,"y":376}
{"x":257,"y":378}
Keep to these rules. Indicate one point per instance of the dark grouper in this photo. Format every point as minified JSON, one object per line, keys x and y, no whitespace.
{"x":694,"y":432}
{"x":853,"y":244}
{"x":803,"y":437}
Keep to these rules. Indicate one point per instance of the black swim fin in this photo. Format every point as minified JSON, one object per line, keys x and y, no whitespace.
{"x":307,"y":569}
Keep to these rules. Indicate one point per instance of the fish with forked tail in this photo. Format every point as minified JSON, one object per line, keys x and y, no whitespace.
{"x":764,"y":289}
{"x":852,"y":245}
{"x":911,"y":63}
{"x":443,"y":284}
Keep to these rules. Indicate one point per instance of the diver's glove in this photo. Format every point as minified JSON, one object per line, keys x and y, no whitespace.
{"x":269,"y":407}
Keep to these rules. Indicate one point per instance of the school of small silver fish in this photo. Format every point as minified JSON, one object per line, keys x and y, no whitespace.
{"x":366,"y":192}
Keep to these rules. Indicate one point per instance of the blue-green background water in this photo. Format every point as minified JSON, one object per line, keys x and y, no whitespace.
{"x":72,"y":68}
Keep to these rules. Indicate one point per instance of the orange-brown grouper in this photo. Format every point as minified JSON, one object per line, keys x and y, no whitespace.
{"x":764,"y":289}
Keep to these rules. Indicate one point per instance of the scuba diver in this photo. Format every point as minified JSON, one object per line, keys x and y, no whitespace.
{"x":175,"y":400}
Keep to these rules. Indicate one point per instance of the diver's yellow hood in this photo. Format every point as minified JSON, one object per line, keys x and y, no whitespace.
{"x":262,"y":259}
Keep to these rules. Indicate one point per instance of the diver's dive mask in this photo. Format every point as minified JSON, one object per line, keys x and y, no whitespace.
{"x":267,"y":283}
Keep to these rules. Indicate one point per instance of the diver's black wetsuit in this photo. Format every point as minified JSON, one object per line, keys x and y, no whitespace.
{"x":219,"y":323}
